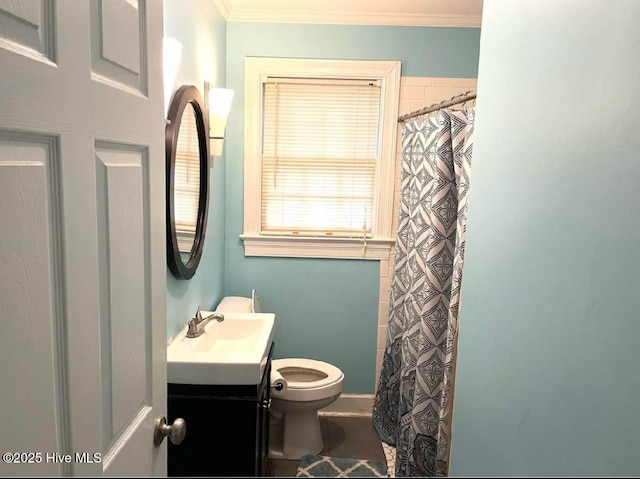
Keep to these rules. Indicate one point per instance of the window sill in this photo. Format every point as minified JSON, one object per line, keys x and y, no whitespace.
{"x":185,"y":240}
{"x":309,"y":247}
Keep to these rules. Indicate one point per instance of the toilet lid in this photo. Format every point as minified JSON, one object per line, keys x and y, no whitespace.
{"x":303,"y":373}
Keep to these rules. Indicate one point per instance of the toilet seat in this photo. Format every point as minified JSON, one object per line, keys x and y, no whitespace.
{"x":309,"y":367}
{"x":324,"y":379}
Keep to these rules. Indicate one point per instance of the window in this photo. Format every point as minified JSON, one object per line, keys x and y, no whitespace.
{"x":319,"y":157}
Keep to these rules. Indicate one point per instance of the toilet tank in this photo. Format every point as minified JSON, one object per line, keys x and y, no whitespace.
{"x":240,"y":304}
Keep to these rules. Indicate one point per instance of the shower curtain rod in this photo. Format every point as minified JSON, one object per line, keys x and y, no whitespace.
{"x":470,"y":95}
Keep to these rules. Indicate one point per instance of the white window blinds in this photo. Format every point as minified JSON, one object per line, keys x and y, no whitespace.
{"x":187,"y":181}
{"x":320,"y":149}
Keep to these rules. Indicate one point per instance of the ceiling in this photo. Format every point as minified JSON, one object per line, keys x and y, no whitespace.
{"x":449,"y":13}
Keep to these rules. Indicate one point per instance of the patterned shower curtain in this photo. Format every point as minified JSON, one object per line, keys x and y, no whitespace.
{"x":412,"y":408}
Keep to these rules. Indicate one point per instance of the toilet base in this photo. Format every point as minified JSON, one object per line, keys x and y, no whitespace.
{"x":297,"y":434}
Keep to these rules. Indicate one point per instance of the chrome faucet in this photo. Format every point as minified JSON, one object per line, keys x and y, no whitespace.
{"x":194,"y":330}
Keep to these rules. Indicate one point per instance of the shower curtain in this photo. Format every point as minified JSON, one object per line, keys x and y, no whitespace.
{"x":412,"y":408}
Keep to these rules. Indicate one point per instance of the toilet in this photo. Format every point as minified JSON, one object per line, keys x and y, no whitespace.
{"x":310,"y":386}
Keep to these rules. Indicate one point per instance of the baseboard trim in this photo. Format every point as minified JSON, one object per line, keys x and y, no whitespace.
{"x":350,"y":405}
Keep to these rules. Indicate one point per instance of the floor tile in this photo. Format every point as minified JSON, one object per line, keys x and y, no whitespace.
{"x":349,"y":437}
{"x":283,"y":468}
{"x":352,"y":437}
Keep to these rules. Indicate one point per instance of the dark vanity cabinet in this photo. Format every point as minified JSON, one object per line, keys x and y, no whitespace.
{"x":227,"y":428}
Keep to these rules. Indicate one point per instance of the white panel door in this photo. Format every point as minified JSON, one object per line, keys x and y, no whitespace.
{"x":82,"y":242}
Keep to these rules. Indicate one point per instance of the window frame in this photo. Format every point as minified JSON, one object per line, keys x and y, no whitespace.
{"x":378,"y":246}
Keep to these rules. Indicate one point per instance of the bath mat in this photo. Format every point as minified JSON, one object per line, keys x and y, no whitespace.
{"x":326,"y":466}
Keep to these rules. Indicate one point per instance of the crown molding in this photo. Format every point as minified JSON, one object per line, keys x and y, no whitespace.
{"x":223,"y":7}
{"x":352,"y":18}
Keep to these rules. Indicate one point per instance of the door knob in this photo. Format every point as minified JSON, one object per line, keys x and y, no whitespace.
{"x":176,"y":431}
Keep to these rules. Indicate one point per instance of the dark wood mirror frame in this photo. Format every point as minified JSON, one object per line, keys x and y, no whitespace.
{"x":187,"y":96}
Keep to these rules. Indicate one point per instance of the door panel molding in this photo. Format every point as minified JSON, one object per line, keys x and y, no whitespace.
{"x":118,"y":43}
{"x":28,"y":28}
{"x":125,"y":320}
{"x":32,"y":278}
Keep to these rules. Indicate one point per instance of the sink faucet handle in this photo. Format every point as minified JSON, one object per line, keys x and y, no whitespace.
{"x":193,"y":331}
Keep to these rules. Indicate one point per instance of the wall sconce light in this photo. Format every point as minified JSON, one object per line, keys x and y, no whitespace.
{"x":219,"y":104}
{"x":171,"y":53}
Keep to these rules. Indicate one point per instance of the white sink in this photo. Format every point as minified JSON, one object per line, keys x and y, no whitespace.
{"x":233,"y":351}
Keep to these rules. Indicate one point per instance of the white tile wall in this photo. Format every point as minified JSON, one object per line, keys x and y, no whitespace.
{"x":415,"y":94}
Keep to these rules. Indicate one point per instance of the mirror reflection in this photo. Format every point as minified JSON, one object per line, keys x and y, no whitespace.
{"x":187,"y":181}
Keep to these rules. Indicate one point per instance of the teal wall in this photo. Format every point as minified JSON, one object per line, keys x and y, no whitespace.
{"x":325,"y":309}
{"x":548,"y":374}
{"x":435,"y":52}
{"x":200,"y":28}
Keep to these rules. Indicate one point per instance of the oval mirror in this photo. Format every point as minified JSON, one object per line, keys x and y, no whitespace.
{"x":187,"y":161}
